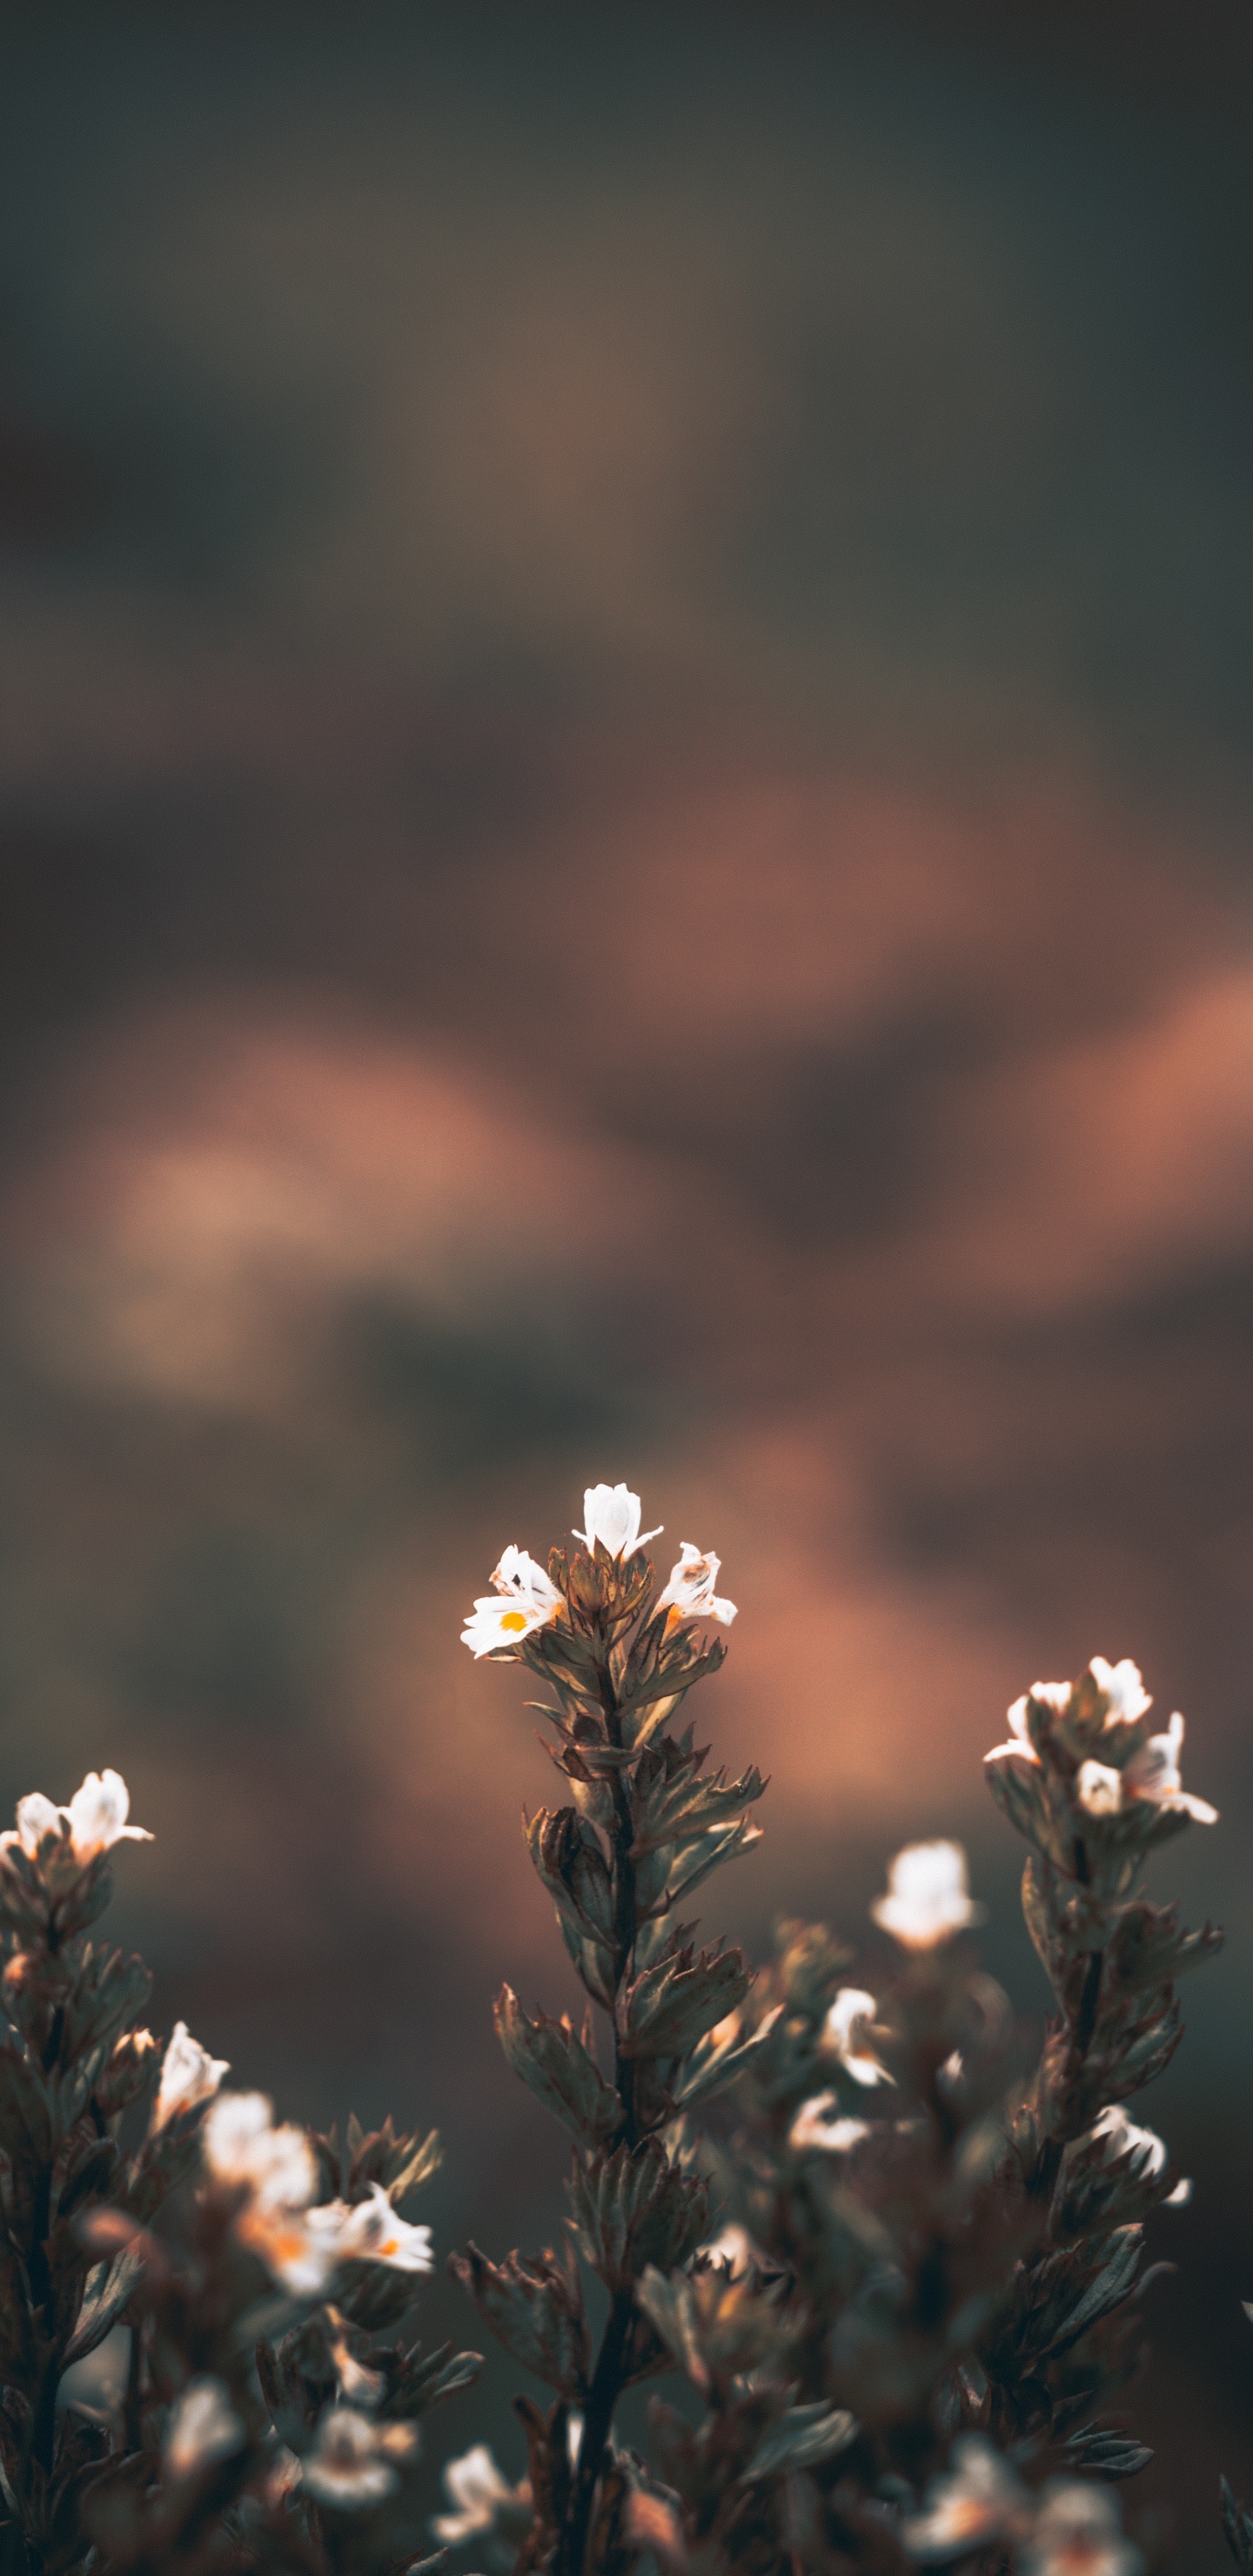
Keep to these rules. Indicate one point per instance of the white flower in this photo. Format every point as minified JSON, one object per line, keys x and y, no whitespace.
{"x":522,"y":1598}
{"x":1120,"y":2137}
{"x":476,"y":2487}
{"x":1153,"y":1774}
{"x":812,"y":2127}
{"x":690,"y":1590}
{"x":1099,"y":1789}
{"x":733,"y":2246}
{"x":300,"y":2245}
{"x":189,"y":2076}
{"x":276,"y":2168}
{"x":94,"y":1820}
{"x":612,"y":1515}
{"x":348,"y":2463}
{"x":369,"y":2231}
{"x":928,"y":1896}
{"x":203,"y":2427}
{"x":980,"y":2500}
{"x":1078,"y":2532}
{"x":1124,"y":1689}
{"x":843,"y":2036}
{"x":240,"y":2144}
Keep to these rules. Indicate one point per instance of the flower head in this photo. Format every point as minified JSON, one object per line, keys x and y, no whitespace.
{"x":690,"y":1591}
{"x":203,"y":2428}
{"x":94,"y":1820}
{"x":1153,"y":1774}
{"x":980,"y":2500}
{"x":734,"y":2246}
{"x":1124,"y":1689}
{"x":844,"y":2036}
{"x":1120,"y":2136}
{"x":1078,"y":2532}
{"x":1150,"y":1777}
{"x":276,"y":2171}
{"x":612,"y":1515}
{"x":928,"y":1896}
{"x":1098,"y":1788}
{"x":348,"y":2464}
{"x":240,"y":2144}
{"x":369,"y":2231}
{"x":814,"y":2128}
{"x":478,"y":2491}
{"x":523,"y":1598}
{"x":189,"y":2076}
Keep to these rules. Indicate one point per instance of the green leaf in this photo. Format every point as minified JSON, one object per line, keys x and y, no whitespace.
{"x":799,"y":2440}
{"x":534,"y":2306}
{"x":687,"y":1806}
{"x":560,"y":2071}
{"x":1109,"y":2287}
{"x":633,"y":2208}
{"x":663,"y":2012}
{"x":1108,"y":2453}
{"x":715,"y":2063}
{"x":110,"y":2287}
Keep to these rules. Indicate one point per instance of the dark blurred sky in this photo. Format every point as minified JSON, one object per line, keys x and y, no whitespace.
{"x":625,"y":651}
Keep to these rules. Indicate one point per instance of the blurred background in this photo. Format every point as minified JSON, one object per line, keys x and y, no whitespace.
{"x":625,"y":780}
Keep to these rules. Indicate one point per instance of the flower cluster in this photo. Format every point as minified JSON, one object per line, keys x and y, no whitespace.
{"x":302,"y":2240}
{"x":157,"y":2230}
{"x":900,"y":2280}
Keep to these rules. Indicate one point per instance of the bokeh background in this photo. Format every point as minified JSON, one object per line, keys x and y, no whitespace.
{"x":625,"y":648}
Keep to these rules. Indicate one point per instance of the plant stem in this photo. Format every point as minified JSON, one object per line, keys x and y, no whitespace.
{"x":608,"y":2378}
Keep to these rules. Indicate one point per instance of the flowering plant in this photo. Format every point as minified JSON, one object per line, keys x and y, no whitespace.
{"x":899,"y":2276}
{"x":190,"y":2370}
{"x":903,"y":2342}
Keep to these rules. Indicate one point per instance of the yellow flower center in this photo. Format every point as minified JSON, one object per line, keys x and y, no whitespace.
{"x":514,"y":1619}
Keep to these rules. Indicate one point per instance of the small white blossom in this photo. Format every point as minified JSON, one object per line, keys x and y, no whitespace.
{"x":369,"y":2231}
{"x":612,"y":1515}
{"x":1120,"y":2137}
{"x":1180,"y":2196}
{"x":475,"y":2486}
{"x":1151,"y":1777}
{"x":813,"y":2127}
{"x":928,"y":1896}
{"x":844,"y":2036}
{"x":240,"y":2144}
{"x":1099,"y":1789}
{"x":276,"y":2168}
{"x":203,"y":2428}
{"x":980,"y":2500}
{"x":1078,"y":2532}
{"x":189,"y":2076}
{"x":690,"y":1590}
{"x":348,"y":2464}
{"x":1054,"y":1695}
{"x":523,"y":1598}
{"x":733,"y":2246}
{"x":94,"y":1820}
{"x":1153,"y":1774}
{"x":1124,"y":1689}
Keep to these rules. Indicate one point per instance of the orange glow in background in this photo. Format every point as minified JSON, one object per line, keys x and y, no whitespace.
{"x":624,"y":806}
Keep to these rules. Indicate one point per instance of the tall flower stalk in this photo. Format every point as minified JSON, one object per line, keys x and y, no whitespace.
{"x":643,"y":1827}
